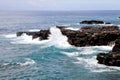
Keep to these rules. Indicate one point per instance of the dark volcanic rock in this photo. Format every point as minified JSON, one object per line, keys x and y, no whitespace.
{"x":91,"y":36}
{"x":86,"y":36}
{"x":112,"y":58}
{"x":116,"y":48}
{"x":42,"y":34}
{"x":93,"y":22}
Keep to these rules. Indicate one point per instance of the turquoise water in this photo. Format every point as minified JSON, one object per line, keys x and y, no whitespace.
{"x":53,"y":59}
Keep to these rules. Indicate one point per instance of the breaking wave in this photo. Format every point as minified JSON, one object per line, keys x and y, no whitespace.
{"x":57,"y":39}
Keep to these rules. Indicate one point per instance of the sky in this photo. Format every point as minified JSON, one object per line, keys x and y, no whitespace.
{"x":59,"y":5}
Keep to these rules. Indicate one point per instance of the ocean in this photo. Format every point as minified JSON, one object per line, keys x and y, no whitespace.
{"x":22,"y":58}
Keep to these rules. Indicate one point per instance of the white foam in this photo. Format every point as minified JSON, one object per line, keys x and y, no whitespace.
{"x":25,"y":39}
{"x":104,"y":47}
{"x":57,"y":39}
{"x":28,"y":62}
{"x":65,"y":25}
{"x":92,"y":65}
{"x":75,"y":29}
{"x":10,"y":36}
{"x":71,"y":54}
{"x":85,"y":51}
{"x":107,"y":24}
{"x":34,"y":30}
{"x":108,"y":48}
{"x":88,"y":50}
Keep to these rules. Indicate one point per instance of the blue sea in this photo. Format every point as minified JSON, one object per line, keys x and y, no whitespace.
{"x":22,"y":58}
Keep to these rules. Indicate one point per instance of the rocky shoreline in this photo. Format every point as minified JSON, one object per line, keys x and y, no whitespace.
{"x":113,"y":57}
{"x":89,"y":36}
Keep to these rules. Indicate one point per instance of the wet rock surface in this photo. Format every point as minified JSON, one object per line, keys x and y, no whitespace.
{"x":42,"y":34}
{"x":86,"y":36}
{"x":113,"y":57}
{"x":92,"y":36}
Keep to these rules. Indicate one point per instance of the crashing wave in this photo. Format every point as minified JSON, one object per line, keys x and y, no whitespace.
{"x":56,"y":38}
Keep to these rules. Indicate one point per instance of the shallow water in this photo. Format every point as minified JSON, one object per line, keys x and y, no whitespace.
{"x":53,"y":59}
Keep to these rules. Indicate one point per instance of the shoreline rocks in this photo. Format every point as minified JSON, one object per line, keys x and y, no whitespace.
{"x":93,"y":36}
{"x":86,"y":36}
{"x":42,"y":34}
{"x":89,"y":36}
{"x":112,"y":58}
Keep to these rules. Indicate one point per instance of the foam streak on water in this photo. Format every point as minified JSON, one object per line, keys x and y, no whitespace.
{"x":91,"y":63}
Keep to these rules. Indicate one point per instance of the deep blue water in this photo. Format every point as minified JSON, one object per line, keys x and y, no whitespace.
{"x":24,"y":59}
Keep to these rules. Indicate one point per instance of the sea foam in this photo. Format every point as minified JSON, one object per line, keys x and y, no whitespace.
{"x":56,"y":38}
{"x":26,"y":39}
{"x":27,"y":62}
{"x":10,"y":36}
{"x":75,"y":29}
{"x":88,"y":62}
{"x":93,"y":66}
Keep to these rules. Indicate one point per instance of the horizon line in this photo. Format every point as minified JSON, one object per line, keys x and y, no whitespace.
{"x":55,"y":10}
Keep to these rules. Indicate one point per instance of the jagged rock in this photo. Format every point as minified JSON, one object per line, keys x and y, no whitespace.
{"x":94,"y":22}
{"x":116,"y":48}
{"x":42,"y":34}
{"x":91,"y":36}
{"x":112,"y":58}
{"x":87,"y":36}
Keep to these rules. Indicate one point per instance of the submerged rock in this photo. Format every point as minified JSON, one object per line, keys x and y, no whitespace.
{"x":93,"y":22}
